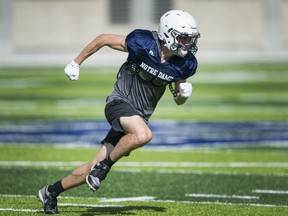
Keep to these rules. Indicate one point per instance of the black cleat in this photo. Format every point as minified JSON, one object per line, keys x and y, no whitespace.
{"x":48,"y":200}
{"x":97,"y":174}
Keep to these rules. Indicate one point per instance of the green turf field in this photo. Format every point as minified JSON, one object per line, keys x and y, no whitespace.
{"x":221,"y":92}
{"x":151,"y":182}
{"x":248,"y":180}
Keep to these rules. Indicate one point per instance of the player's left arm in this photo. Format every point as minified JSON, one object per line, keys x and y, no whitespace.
{"x":183,"y":91}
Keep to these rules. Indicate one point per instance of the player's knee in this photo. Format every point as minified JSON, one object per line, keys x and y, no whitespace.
{"x":143,"y":138}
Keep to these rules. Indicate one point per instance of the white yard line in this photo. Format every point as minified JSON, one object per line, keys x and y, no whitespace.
{"x":222,"y":196}
{"x":151,"y":164}
{"x":17,"y":195}
{"x":20,"y":210}
{"x":162,"y":201}
{"x":64,"y":205}
{"x":125,"y":199}
{"x":222,"y":203}
{"x":89,"y":205}
{"x":162,"y":167}
{"x":40,"y":163}
{"x":203,"y":164}
{"x":198,"y":172}
{"x":144,"y":198}
{"x":270,"y":191}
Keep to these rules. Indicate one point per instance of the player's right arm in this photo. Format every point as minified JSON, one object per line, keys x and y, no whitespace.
{"x":113,"y":41}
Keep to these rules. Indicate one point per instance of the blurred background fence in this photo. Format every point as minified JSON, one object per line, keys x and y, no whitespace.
{"x":52,"y":32}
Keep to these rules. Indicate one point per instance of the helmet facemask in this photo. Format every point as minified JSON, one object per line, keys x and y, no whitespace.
{"x":183,"y":43}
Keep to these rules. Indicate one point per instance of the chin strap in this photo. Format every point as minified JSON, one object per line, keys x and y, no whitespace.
{"x":172,"y":90}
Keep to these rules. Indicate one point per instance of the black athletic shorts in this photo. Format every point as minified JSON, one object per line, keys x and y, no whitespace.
{"x":113,"y":111}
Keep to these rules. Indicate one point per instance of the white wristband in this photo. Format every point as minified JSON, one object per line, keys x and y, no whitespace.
{"x":74,"y":64}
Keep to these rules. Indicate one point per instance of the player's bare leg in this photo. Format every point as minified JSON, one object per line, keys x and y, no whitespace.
{"x":48,"y":194}
{"x":77,"y":177}
{"x":137,"y":135}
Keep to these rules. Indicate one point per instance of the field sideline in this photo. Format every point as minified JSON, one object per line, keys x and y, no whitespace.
{"x":231,"y":161}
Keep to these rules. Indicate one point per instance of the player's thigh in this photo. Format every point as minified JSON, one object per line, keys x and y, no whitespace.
{"x":135,"y":125}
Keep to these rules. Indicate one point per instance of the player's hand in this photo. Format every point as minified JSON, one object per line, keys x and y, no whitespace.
{"x":72,"y":70}
{"x":185,"y":89}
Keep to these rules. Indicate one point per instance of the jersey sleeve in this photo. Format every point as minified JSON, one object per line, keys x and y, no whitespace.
{"x":191,"y":68}
{"x":138,"y":41}
{"x":185,"y":67}
{"x":132,"y":44}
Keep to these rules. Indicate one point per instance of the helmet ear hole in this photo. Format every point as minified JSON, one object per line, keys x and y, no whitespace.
{"x":166,"y":35}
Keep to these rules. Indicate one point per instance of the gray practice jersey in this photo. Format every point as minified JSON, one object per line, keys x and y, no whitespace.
{"x":143,"y":78}
{"x":140,"y":94}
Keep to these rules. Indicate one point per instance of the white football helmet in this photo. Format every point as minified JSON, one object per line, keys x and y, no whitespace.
{"x":178,"y":31}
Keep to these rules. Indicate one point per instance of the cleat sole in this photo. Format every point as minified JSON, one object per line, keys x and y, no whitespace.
{"x":90,"y":186}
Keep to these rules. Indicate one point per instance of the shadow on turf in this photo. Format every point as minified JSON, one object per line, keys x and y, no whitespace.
{"x":125,"y":210}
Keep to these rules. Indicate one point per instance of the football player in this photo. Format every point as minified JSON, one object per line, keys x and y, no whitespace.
{"x":156,"y":59}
